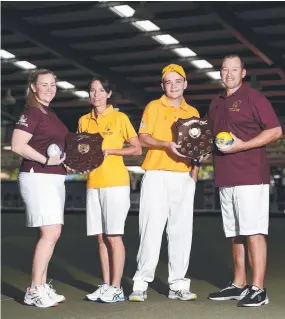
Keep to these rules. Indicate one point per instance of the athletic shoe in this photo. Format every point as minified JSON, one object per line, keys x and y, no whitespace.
{"x":138,"y":296}
{"x":52,"y":293}
{"x":254,"y":298}
{"x":39,"y":297}
{"x":229,"y":293}
{"x":98,"y":293}
{"x":113,"y":294}
{"x":183,"y":294}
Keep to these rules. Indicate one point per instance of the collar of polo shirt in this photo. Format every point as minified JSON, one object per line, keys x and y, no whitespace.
{"x":243,"y":88}
{"x":108,"y":110}
{"x":165,"y":101}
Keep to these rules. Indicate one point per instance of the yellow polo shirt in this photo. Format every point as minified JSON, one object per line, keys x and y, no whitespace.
{"x":157,"y":120}
{"x":116,"y":128}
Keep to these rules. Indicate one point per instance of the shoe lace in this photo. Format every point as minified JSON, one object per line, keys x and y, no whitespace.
{"x":103,"y":288}
{"x":50,"y":286}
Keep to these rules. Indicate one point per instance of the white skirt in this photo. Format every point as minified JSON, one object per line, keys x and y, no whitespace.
{"x":44,"y":197}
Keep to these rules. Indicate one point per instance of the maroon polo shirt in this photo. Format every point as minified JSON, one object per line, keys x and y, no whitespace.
{"x":46,"y":129}
{"x":245,"y":113}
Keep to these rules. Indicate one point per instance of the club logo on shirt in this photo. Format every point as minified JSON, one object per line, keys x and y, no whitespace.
{"x":107,"y":130}
{"x":22,"y":121}
{"x":142,"y":125}
{"x":236,"y":106}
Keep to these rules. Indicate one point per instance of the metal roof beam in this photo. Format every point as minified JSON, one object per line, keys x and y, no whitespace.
{"x":40,"y":35}
{"x":243,"y":32}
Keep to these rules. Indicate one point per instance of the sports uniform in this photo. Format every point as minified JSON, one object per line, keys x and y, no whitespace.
{"x":167,"y":196}
{"x":42,"y":187}
{"x":108,"y":186}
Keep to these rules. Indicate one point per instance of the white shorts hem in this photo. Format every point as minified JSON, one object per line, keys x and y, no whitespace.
{"x":44,"y":224}
{"x":246,"y":233}
{"x":105,"y":233}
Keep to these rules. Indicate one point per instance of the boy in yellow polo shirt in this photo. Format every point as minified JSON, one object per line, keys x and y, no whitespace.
{"x":167,"y":193}
{"x":108,"y":187}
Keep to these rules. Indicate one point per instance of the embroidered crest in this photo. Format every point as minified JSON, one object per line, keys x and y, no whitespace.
{"x":236,"y":106}
{"x":22,"y":120}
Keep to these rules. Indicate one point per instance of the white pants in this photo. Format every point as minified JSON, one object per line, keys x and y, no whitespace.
{"x":44,"y":197}
{"x":245,"y":209}
{"x":107,"y":210}
{"x":166,"y":197}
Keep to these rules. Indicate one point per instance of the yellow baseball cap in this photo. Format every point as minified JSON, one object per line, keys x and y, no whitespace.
{"x":174,"y":68}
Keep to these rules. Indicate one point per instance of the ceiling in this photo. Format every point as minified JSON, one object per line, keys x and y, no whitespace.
{"x":78,"y":40}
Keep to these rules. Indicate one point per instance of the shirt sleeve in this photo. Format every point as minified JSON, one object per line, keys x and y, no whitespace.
{"x":265,"y":114}
{"x":28,"y":120}
{"x":148,"y":119}
{"x":128,"y":130}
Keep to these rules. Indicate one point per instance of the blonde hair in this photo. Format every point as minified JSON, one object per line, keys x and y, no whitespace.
{"x":31,"y":96}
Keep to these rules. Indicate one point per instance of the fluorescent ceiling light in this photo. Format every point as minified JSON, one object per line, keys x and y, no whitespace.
{"x":201,"y":64}
{"x":7,"y":55}
{"x":124,"y":11}
{"x":25,"y":65}
{"x":184,"y":52}
{"x":165,"y":39}
{"x":82,"y":94}
{"x":65,"y":85}
{"x":214,"y":75}
{"x":7,"y":148}
{"x":146,"y":25}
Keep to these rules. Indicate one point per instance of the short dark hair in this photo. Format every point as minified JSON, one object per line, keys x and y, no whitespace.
{"x":233,"y":55}
{"x":104,"y":82}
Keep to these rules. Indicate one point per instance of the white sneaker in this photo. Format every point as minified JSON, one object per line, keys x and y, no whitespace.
{"x":52,"y":293}
{"x":183,"y":294}
{"x":138,"y":295}
{"x":113,"y":294}
{"x":38,"y":297}
{"x":97,"y":294}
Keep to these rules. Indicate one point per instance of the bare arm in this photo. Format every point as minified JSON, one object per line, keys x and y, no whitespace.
{"x":133,"y":149}
{"x":264,"y":138}
{"x":148,"y":141}
{"x":20,"y":140}
{"x":195,"y":173}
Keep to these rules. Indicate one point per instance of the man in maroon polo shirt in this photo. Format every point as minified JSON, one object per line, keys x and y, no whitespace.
{"x":242,"y":175}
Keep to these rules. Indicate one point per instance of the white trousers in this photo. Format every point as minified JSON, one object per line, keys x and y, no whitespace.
{"x":245,"y":209}
{"x":166,"y":197}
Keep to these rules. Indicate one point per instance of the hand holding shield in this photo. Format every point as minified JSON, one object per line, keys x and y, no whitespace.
{"x":194,"y":136}
{"x":83,"y":151}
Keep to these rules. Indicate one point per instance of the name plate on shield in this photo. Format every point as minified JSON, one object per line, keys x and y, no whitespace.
{"x":195,"y":136}
{"x":83,"y":151}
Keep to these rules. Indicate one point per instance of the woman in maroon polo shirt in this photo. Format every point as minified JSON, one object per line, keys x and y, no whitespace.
{"x":41,"y":179}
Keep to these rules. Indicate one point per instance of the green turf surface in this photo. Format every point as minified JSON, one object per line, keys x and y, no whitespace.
{"x":75,"y":271}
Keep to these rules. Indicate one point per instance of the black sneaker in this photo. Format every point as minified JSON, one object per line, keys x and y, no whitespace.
{"x":229,"y":293}
{"x":254,"y":298}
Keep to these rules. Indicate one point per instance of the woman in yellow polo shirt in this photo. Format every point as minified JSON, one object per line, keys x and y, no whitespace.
{"x":108,"y":187}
